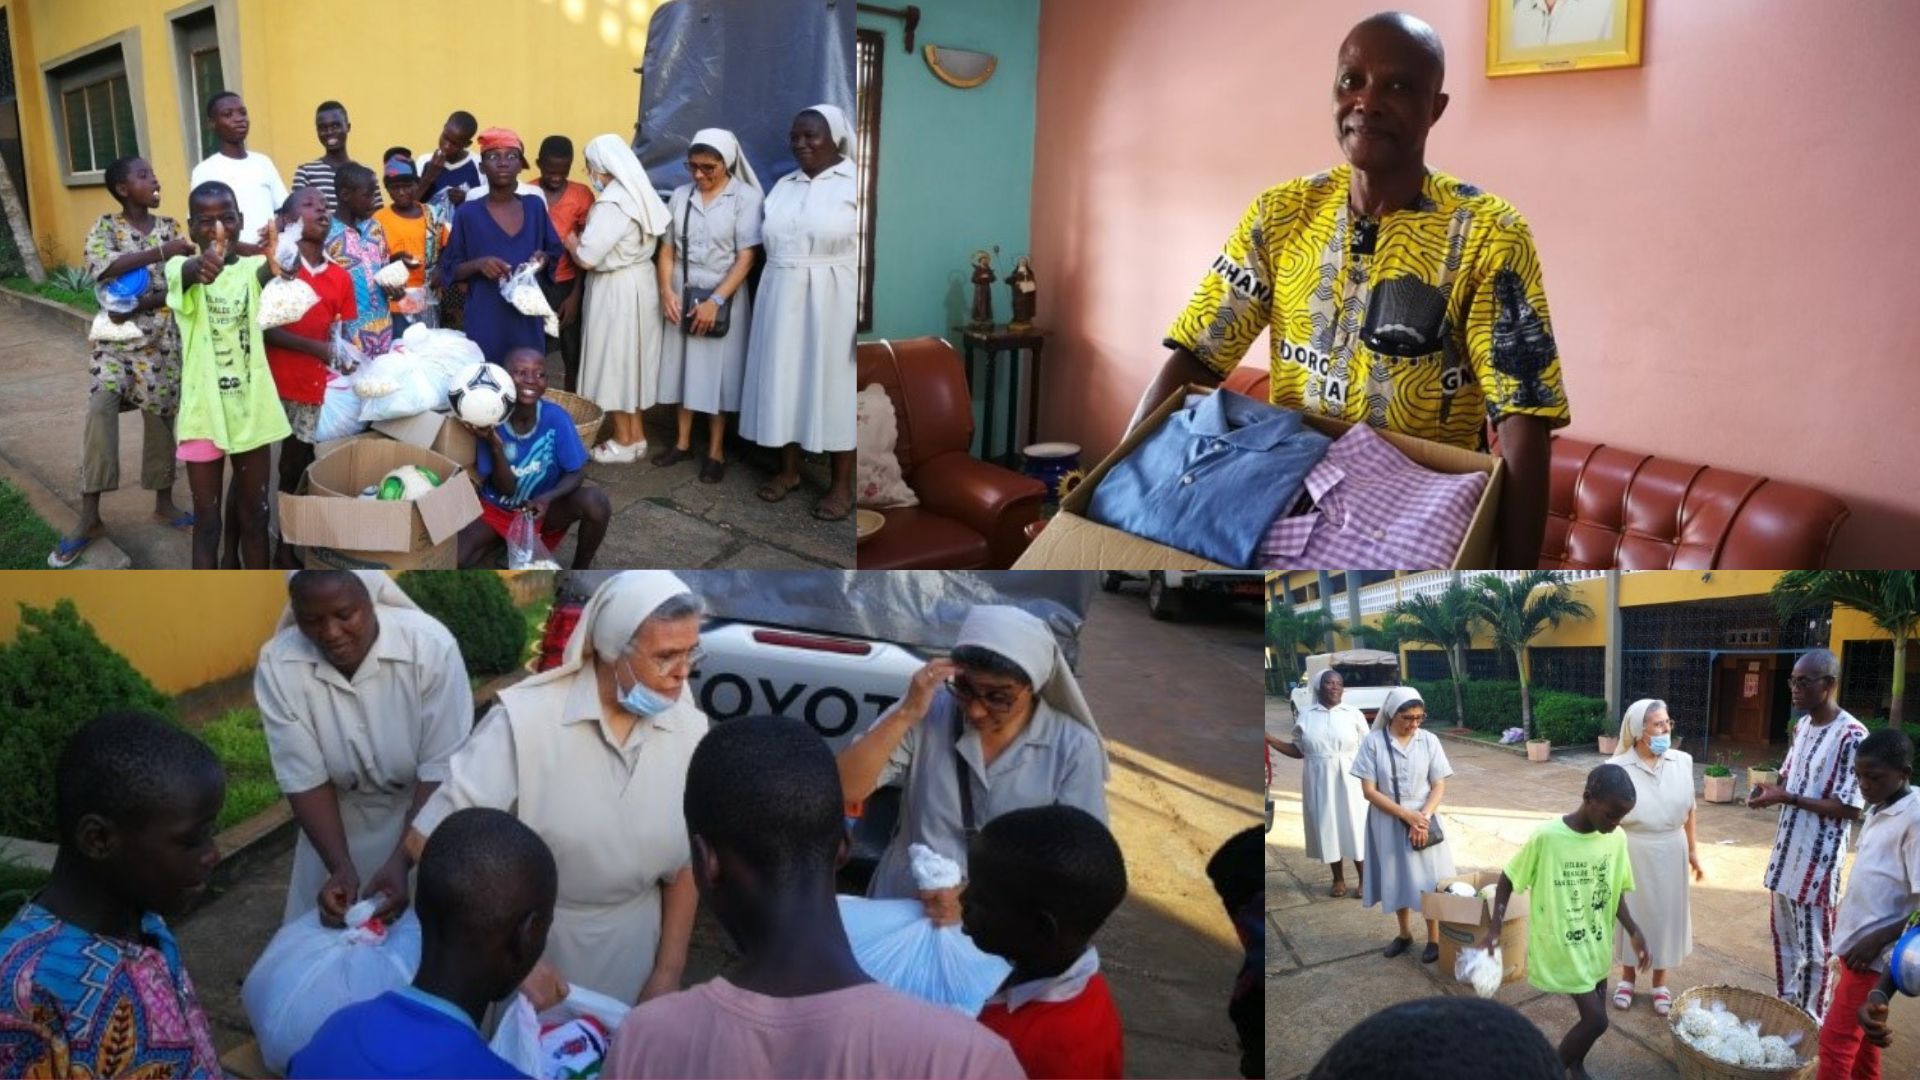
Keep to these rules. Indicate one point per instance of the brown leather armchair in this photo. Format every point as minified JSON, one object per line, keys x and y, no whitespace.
{"x":1618,"y":509}
{"x":972,"y":515}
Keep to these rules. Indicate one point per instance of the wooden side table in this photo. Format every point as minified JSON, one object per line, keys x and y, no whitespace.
{"x":990,"y":344}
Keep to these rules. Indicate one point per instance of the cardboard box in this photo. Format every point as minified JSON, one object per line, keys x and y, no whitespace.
{"x":438,"y":432}
{"x":1464,"y":921}
{"x":337,"y":528}
{"x":1071,"y":541}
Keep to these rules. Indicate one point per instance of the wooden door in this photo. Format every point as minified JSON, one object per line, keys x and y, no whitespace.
{"x":1743,"y":696}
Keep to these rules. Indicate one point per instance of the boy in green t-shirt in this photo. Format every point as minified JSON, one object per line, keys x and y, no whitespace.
{"x":1578,"y":870}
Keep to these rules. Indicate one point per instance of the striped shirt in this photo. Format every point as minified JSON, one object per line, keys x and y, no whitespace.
{"x":1374,"y":507}
{"x":319,"y":174}
{"x":1808,"y":849}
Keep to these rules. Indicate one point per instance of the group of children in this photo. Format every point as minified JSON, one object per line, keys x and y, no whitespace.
{"x":1579,"y":874}
{"x":91,"y":982}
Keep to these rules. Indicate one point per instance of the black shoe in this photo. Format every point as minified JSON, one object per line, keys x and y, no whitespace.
{"x":1396,"y":947}
{"x":1430,"y":953}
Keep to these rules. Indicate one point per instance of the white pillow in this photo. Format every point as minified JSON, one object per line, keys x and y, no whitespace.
{"x":877,"y":480}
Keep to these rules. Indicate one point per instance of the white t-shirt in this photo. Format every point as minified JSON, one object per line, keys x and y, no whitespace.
{"x":1884,"y":887}
{"x":256,"y":186}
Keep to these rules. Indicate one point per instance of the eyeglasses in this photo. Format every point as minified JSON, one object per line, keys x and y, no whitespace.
{"x":998,"y":701}
{"x":672,"y":661}
{"x":699,"y":169}
{"x":1807,"y":682}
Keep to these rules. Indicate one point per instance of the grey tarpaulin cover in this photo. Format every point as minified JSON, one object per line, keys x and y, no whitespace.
{"x":919,"y":608}
{"x":744,"y":65}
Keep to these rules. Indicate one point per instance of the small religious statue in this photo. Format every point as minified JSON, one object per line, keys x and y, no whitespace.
{"x":981,"y":317}
{"x":1025,"y":296}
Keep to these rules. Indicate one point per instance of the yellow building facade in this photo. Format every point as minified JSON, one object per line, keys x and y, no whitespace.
{"x":1709,"y":643}
{"x":97,"y":77}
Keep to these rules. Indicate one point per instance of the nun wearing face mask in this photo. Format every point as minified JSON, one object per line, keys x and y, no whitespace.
{"x":593,"y":756}
{"x":1660,"y":845}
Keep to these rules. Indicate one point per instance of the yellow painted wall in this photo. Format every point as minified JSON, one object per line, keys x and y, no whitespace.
{"x":540,"y":67}
{"x":179,"y":628}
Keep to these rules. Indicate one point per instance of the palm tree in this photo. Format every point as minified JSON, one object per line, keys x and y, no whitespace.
{"x":16,"y":223}
{"x":1446,"y":622}
{"x":1891,"y":598}
{"x":1515,"y":616}
{"x":1288,"y":630}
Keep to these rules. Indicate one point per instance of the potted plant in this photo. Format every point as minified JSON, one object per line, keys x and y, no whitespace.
{"x":1766,"y":772}
{"x":1609,"y":744}
{"x":1719,"y":786}
{"x":1539,"y":750}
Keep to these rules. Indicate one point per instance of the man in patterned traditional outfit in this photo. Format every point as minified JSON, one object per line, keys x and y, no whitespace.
{"x":1392,"y":294}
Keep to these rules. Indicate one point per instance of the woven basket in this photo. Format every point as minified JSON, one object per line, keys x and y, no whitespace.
{"x":587,"y":417}
{"x":1776,"y":1017}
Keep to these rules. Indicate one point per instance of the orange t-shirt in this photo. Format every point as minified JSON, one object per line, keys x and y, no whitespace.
{"x":408,"y":235}
{"x":569,"y":215}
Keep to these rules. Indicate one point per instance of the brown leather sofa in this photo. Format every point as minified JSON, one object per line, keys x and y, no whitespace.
{"x":1618,"y":509}
{"x":972,"y":515}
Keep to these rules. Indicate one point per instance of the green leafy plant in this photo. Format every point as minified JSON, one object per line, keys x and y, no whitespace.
{"x":478,"y":610}
{"x":1717,"y":770}
{"x":238,"y":740}
{"x":71,"y":279}
{"x":1890,"y":598}
{"x":55,"y":676}
{"x":25,"y":539}
{"x":1569,"y":719}
{"x":1288,"y":631}
{"x":1445,"y":622}
{"x":1519,"y":609}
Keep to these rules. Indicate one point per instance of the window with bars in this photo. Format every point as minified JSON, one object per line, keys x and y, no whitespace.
{"x":196,"y":48}
{"x":870,"y":47}
{"x":96,"y":112}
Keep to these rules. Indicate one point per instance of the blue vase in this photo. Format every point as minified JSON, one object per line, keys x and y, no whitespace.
{"x":1049,"y":463}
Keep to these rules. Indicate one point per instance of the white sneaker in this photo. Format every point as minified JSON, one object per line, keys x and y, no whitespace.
{"x":608,"y":453}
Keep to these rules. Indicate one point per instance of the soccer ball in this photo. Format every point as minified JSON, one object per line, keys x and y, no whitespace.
{"x":481,"y":394}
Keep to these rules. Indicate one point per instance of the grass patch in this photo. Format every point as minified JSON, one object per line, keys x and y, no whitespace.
{"x":77,"y":299}
{"x":24,"y":538}
{"x":240,"y":743}
{"x":18,"y":883}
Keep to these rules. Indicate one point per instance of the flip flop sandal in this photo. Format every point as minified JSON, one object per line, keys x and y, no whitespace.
{"x":1429,"y":954}
{"x":182,"y":521}
{"x":1623,"y":995}
{"x":1662,"y":1000}
{"x":1396,"y":947}
{"x":819,"y":515}
{"x":1339,"y":890}
{"x":773,"y":490}
{"x":67,"y":552}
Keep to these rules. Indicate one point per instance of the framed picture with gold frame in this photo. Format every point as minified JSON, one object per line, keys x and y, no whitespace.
{"x":1533,"y":37}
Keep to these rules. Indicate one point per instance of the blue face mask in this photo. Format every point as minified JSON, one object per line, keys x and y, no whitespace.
{"x":642,"y":700}
{"x":1659,"y":743}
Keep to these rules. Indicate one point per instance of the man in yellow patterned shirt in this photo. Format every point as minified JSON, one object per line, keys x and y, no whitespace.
{"x":1392,"y":295}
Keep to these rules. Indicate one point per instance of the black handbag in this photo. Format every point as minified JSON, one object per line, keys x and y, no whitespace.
{"x":691,"y":295}
{"x":1434,"y":835}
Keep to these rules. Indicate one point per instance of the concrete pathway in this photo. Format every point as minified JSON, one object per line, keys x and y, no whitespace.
{"x":1324,"y":968}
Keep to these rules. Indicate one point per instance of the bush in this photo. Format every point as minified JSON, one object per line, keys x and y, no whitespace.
{"x":477,"y":609}
{"x":55,"y":677}
{"x":1569,"y":719}
{"x":238,"y":740}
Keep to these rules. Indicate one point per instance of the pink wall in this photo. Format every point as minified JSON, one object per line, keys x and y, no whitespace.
{"x":1729,"y":232}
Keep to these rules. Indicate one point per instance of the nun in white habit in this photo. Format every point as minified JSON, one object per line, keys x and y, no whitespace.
{"x":711,"y":244}
{"x":620,"y":344}
{"x":364,"y":699}
{"x":1006,"y":706}
{"x":799,"y":390}
{"x":593,"y":756}
{"x":1327,"y":737}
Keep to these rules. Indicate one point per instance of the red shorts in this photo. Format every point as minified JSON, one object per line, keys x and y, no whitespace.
{"x":502,"y":520}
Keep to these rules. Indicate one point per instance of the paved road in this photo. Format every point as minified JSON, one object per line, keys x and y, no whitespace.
{"x":1176,"y":704}
{"x":662,"y":517}
{"x":1325,"y":972}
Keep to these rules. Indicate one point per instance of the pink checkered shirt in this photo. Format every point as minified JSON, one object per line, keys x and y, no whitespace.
{"x":1374,"y":507}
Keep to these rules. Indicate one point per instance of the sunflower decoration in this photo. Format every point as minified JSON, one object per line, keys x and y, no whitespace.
{"x":1069,"y":480}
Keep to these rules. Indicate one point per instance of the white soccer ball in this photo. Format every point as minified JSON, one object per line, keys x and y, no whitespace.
{"x":481,"y":394}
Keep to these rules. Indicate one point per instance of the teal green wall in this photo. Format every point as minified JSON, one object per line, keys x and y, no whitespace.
{"x":956,"y":166}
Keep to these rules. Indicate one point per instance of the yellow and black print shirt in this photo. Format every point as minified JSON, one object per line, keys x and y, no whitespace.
{"x":1429,"y":321}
